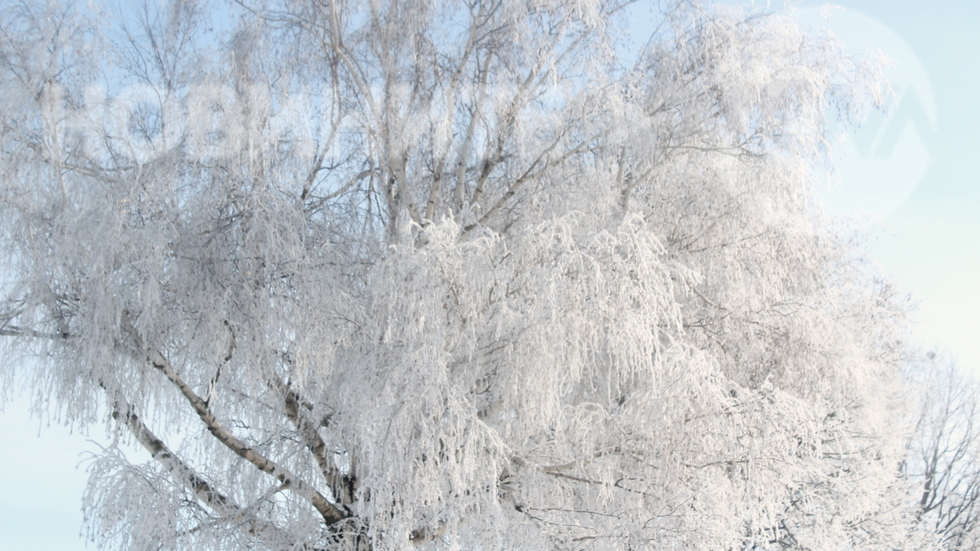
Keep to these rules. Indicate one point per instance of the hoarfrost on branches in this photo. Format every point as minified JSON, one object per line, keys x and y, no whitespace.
{"x":450,"y":274}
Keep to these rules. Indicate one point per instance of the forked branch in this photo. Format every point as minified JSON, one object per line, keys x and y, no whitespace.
{"x":218,"y":502}
{"x":330,"y":512}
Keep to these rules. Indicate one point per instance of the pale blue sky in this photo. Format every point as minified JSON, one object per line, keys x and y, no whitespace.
{"x":928,"y":237}
{"x":931,"y":241}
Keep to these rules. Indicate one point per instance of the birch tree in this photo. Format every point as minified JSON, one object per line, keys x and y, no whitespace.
{"x":447,"y":274}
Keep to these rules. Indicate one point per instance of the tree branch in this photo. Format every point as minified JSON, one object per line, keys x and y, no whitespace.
{"x":217,"y":501}
{"x":330,"y":513}
{"x":342,"y":486}
{"x":213,"y":499}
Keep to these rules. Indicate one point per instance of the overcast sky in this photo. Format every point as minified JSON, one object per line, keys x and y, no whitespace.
{"x":916,"y":172}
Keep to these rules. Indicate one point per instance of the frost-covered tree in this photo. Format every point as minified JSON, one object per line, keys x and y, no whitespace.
{"x":944,"y":452}
{"x":450,"y":274}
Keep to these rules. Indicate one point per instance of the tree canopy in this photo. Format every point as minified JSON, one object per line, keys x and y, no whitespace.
{"x":448,"y":274}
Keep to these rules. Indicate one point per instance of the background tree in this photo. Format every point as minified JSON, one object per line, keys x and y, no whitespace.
{"x":944,"y":452}
{"x":452,"y":274}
